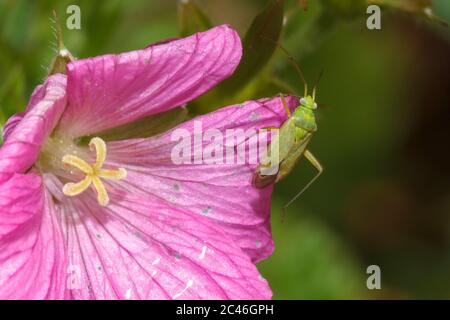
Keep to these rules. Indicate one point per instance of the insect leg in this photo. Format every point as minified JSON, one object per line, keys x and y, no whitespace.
{"x":310,"y":157}
{"x":285,"y":105}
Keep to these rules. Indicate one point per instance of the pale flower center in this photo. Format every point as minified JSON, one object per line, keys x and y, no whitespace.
{"x":93,"y":173}
{"x":62,"y":157}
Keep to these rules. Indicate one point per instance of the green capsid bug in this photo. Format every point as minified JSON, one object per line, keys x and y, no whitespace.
{"x":291,"y":142}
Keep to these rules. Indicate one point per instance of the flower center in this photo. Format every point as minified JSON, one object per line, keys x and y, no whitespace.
{"x":93,"y":173}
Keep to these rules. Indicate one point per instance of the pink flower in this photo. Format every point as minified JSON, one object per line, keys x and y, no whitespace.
{"x":120,"y":220}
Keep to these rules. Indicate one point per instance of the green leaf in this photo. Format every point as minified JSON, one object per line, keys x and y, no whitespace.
{"x":345,"y":8}
{"x":421,"y":8}
{"x":405,"y":5}
{"x":442,"y":9}
{"x":192,"y":18}
{"x":259,"y":45}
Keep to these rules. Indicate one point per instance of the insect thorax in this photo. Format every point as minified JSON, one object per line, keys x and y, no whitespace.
{"x":305,"y":119}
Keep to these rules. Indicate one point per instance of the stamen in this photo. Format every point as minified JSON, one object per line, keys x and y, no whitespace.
{"x":74,"y":189}
{"x":102,"y":194}
{"x":78,"y":163}
{"x":93,"y":173}
{"x":118,"y":174}
{"x":100,"y":148}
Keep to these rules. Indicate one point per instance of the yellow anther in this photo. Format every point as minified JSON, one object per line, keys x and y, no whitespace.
{"x":93,"y":173}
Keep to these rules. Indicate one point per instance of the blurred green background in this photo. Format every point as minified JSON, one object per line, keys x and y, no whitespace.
{"x":384,"y":130}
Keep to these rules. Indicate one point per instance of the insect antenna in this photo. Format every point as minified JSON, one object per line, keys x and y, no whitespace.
{"x":291,"y":61}
{"x":316,"y":84}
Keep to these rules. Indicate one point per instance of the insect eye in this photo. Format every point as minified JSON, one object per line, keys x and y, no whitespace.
{"x":303,"y":102}
{"x":315,"y":105}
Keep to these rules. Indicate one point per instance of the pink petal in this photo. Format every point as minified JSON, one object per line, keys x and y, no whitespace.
{"x":31,"y":243}
{"x":11,"y":124}
{"x":19,"y":201}
{"x":111,"y":90}
{"x":36,"y":96}
{"x":24,"y":141}
{"x":141,"y":248}
{"x":222,"y":192}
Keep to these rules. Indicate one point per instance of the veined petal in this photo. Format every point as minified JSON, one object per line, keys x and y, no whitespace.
{"x":21,"y":149}
{"x":141,"y":248}
{"x":20,"y":198}
{"x":11,"y":123}
{"x":111,"y":90}
{"x":36,"y":96}
{"x":221,"y":192}
{"x":32,"y":258}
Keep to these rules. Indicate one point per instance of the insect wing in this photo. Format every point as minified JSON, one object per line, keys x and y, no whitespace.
{"x":279,"y":148}
{"x":289,"y":163}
